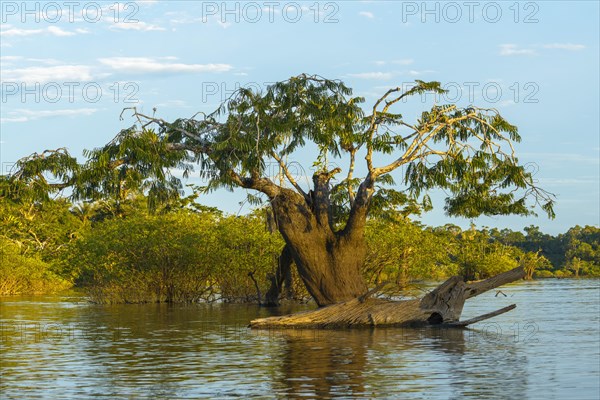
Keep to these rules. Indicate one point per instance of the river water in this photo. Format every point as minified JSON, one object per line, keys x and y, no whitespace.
{"x":61,"y":347}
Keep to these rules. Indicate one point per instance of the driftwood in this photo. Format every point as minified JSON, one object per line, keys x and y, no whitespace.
{"x":442,"y":306}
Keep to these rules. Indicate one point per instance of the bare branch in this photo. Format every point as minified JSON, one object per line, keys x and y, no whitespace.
{"x":162,"y":123}
{"x":263,"y":185}
{"x":419,"y":142}
{"x":288,"y":175}
{"x":350,"y":175}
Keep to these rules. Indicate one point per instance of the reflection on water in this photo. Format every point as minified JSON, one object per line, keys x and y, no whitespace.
{"x":374,"y":363}
{"x":62,"y":347}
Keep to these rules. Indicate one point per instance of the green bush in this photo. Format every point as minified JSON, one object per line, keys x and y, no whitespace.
{"x":181,"y":256}
{"x":561,"y":273}
{"x":20,"y":274}
{"x":543,"y":274}
{"x":244,"y":250}
{"x":401,"y":251}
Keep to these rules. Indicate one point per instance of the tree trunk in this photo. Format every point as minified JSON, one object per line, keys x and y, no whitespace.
{"x":329,"y":263}
{"x":282,"y":277}
{"x":442,"y":306}
{"x":330,"y":269}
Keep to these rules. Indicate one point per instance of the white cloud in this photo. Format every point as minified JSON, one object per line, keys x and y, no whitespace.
{"x":150,"y":65}
{"x":514,"y":50}
{"x":8,"y":60}
{"x":13,"y":119}
{"x":405,"y":61}
{"x":47,"y":61}
{"x":56,"y":31}
{"x":564,"y":46}
{"x":58,"y":73}
{"x":413,"y":72}
{"x":24,"y":115}
{"x":506,"y":103}
{"x":136,"y":26}
{"x":223,"y":24}
{"x":367,"y":14}
{"x":9,"y":31}
{"x":373,"y":75}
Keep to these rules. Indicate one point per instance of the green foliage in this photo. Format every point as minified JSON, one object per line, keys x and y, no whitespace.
{"x":467,"y":152}
{"x":244,"y":246}
{"x":142,"y":258}
{"x":133,"y":163}
{"x":479,"y":257}
{"x":401,"y":251}
{"x":188,"y":252}
{"x":532,"y":262}
{"x":39,"y":229}
{"x":33,"y":177}
{"x":21,"y":274}
{"x":33,"y":235}
{"x":181,"y":256}
{"x":576,"y":252}
{"x":173,"y":249}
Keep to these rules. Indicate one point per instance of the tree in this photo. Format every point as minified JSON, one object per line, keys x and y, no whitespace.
{"x":467,"y":152}
{"x":531,"y":262}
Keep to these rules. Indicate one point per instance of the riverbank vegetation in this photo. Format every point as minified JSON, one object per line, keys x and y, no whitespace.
{"x":125,"y":234}
{"x":185,"y":252}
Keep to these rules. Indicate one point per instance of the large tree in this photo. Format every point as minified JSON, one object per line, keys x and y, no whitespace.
{"x":466,"y":152}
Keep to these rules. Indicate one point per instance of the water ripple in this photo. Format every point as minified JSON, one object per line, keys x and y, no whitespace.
{"x":63,"y":348}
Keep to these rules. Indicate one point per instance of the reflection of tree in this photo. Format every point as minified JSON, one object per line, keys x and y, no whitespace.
{"x":325,"y":363}
{"x":438,"y":363}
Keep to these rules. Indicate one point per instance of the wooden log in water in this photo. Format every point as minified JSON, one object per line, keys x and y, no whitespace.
{"x":443,"y":305}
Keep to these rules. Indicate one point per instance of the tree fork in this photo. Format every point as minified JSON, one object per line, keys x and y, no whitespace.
{"x":442,"y":306}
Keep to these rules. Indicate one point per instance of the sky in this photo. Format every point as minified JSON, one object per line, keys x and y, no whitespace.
{"x":69,"y":68}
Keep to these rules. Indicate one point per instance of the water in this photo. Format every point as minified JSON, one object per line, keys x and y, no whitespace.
{"x":60,"y":347}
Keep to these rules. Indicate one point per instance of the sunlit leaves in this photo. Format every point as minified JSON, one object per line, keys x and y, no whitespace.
{"x":133,"y":162}
{"x":38,"y":176}
{"x":181,"y":256}
{"x":467,"y":152}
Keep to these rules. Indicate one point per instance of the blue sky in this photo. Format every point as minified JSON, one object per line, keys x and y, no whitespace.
{"x":69,"y":68}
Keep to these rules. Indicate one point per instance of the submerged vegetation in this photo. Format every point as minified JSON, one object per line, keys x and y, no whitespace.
{"x":124,"y":253}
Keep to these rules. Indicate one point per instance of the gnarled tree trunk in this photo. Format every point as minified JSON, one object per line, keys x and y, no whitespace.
{"x":443,"y":305}
{"x":328,"y":261}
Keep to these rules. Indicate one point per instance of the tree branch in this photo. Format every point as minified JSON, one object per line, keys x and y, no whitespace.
{"x":360,"y":208}
{"x":477,"y":288}
{"x":321,"y":202}
{"x":420,"y":142}
{"x":288,"y":175}
{"x":350,"y":175}
{"x":263,"y":185}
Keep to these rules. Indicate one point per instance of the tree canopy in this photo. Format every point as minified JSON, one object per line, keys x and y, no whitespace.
{"x":466,"y":152}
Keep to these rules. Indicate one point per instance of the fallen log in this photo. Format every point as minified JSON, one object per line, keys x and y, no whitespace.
{"x":441,"y":306}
